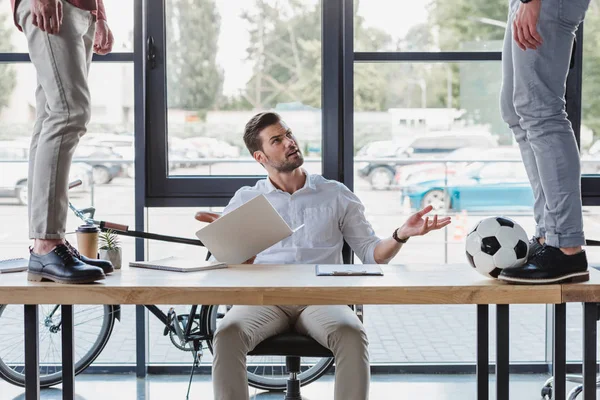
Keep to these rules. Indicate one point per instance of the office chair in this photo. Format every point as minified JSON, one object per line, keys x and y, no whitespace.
{"x":291,"y":345}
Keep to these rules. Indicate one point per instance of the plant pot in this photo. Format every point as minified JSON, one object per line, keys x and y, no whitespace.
{"x":112,"y":255}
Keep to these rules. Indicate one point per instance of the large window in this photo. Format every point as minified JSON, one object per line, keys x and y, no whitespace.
{"x":245,"y":57}
{"x":224,"y":61}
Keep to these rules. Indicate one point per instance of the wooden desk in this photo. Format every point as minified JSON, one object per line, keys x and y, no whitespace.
{"x":282,"y":284}
{"x":293,"y":284}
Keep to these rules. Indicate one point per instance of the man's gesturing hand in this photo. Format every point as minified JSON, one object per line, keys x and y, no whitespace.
{"x":415,"y":225}
{"x":525,"y":31}
{"x":47,"y":15}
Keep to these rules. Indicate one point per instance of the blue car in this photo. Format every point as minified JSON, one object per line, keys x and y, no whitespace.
{"x":481,"y":186}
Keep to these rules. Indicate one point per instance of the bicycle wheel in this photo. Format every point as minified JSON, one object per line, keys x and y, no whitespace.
{"x":268,"y":372}
{"x":93,"y":325}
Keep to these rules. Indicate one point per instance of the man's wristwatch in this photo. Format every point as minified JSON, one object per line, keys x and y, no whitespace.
{"x":397,"y":239}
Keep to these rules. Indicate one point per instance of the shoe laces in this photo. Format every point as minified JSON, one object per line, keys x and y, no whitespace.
{"x":73,"y":249}
{"x":65,"y":254}
{"x":543,"y":255}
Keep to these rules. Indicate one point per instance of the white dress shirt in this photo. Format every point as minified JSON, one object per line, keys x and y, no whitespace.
{"x":330,"y":213}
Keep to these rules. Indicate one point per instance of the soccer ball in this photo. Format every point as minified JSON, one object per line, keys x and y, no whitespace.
{"x":496,"y":243}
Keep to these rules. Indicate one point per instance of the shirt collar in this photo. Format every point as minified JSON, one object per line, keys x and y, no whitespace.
{"x":307,"y":184}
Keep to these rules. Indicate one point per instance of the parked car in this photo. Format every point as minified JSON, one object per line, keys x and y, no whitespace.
{"x":99,"y":159}
{"x":120,"y":144}
{"x":590,"y":161}
{"x":481,"y":186}
{"x":13,"y":180}
{"x":380,"y":174}
{"x":451,"y":164}
{"x":208,"y":147}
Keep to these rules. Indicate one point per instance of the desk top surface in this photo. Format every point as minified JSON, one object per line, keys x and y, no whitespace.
{"x":284,"y":284}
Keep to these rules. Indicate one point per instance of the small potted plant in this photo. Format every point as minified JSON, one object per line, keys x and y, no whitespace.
{"x":110,"y":248}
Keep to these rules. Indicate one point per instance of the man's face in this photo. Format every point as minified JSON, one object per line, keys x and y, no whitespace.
{"x":280,"y":150}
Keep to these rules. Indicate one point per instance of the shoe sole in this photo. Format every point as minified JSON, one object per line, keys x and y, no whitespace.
{"x":33,"y":277}
{"x":575,"y":277}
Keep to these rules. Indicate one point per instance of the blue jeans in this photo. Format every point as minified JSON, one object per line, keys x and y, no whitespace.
{"x":533,"y":105}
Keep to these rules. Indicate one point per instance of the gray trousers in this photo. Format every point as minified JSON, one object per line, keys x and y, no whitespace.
{"x":335,"y":327}
{"x":533,"y":105}
{"x":63,"y":106}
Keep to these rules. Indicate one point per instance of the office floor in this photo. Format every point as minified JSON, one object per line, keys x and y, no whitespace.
{"x":383,"y":387}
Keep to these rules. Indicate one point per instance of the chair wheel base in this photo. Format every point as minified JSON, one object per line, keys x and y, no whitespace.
{"x":292,"y":391}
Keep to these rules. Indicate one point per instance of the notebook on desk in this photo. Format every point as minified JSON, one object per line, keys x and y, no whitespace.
{"x":178,"y":264}
{"x":13,"y":265}
{"x":347,"y":270}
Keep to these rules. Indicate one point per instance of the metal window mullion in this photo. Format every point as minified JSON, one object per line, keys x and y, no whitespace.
{"x":442,"y":56}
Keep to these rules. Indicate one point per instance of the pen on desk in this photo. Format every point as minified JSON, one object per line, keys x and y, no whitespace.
{"x":348,"y":272}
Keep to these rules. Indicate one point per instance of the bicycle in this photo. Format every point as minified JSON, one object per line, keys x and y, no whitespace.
{"x":93,"y":326}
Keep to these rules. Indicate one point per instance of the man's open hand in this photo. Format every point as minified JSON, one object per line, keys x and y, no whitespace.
{"x":524,"y":27}
{"x":416,"y":225}
{"x":47,"y":15}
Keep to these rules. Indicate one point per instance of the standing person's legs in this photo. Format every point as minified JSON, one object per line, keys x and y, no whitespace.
{"x":61,"y":62}
{"x":539,"y":99}
{"x":242,"y":328}
{"x":339,"y":329}
{"x":40,"y":116}
{"x":63,"y":110}
{"x":510,"y":116}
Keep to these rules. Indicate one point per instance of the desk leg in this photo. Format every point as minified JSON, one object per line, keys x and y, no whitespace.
{"x":68,"y":369}
{"x":502,"y":352}
{"x":559,"y":363}
{"x":590,"y":314}
{"x":483,"y":356}
{"x":32,"y":359}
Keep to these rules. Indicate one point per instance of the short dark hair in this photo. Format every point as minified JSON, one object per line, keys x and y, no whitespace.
{"x":253,"y":128}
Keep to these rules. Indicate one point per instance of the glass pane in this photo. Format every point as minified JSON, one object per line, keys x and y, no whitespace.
{"x":175,"y":222}
{"x":259,"y":55}
{"x":112,"y":99}
{"x":434,"y":25}
{"x":424,"y":133}
{"x":119,"y":15}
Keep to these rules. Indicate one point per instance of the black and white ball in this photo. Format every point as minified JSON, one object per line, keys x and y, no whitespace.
{"x":496,"y":243}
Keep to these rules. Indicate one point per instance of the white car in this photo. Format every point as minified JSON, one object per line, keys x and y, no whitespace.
{"x":13,"y":179}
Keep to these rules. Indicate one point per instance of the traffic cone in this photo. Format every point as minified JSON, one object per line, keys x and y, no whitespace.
{"x":460,"y":226}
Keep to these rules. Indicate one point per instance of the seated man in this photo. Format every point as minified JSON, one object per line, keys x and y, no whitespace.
{"x":331,"y":213}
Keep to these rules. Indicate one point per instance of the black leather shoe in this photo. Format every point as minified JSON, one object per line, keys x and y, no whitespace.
{"x":549,"y":265}
{"x":534,"y":247}
{"x":106,"y":266}
{"x":61,"y":266}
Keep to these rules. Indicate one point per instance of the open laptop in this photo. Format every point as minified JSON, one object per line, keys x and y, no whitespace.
{"x":244,"y":232}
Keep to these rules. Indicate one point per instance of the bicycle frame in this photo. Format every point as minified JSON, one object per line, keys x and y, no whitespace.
{"x":87,"y":216}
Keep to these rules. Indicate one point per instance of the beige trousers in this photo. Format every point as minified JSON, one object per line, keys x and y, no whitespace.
{"x":63,"y":106}
{"x":335,"y":327}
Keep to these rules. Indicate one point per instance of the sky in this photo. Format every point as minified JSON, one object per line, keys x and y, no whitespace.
{"x":394,"y":17}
